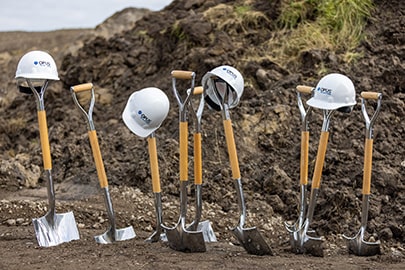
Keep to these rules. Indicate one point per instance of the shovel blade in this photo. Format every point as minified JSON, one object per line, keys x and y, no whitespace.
{"x":119,"y":235}
{"x":252,"y":241}
{"x":185,"y":241}
{"x":62,"y":230}
{"x":207,"y":231}
{"x":359,"y":247}
{"x":156,"y":236}
{"x":313,"y":246}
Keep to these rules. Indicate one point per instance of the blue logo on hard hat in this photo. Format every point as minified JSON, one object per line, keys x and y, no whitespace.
{"x":42,"y":63}
{"x":324,"y":91}
{"x":230,"y":72}
{"x":144,"y":117}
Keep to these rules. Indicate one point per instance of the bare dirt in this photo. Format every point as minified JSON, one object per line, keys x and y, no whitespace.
{"x":120,"y":60}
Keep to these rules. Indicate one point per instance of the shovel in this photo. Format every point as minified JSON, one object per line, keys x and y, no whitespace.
{"x":158,"y":234}
{"x":308,"y":243}
{"x":293,"y":228}
{"x":250,"y":238}
{"x":179,"y":237}
{"x":357,"y":245}
{"x":112,"y":234}
{"x":196,"y":225}
{"x":51,"y":229}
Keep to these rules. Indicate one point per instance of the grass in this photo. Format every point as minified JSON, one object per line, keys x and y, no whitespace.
{"x":333,"y":25}
{"x":236,"y":19}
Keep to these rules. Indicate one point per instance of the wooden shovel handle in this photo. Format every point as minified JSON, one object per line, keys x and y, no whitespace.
{"x":304,"y":158}
{"x":304,"y":89}
{"x":43,"y":134}
{"x":183,"y":151}
{"x":154,"y":166}
{"x":368,"y":156}
{"x":230,"y":142}
{"x":182,"y":74}
{"x":98,"y":160}
{"x":197,"y":159}
{"x":82,"y":87}
{"x":370,"y":95}
{"x":320,"y":158}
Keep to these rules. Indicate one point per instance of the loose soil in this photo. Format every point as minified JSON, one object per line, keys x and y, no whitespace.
{"x":120,"y":60}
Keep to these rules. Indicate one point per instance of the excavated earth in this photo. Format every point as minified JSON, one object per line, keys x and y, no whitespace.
{"x":136,"y":49}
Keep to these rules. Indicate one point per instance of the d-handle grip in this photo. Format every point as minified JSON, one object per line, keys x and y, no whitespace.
{"x":230,"y":142}
{"x":183,"y":74}
{"x":82,"y":87}
{"x":154,"y":166}
{"x":98,"y":160}
{"x":198,"y":90}
{"x":304,"y":89}
{"x":43,"y":134}
{"x":370,"y":95}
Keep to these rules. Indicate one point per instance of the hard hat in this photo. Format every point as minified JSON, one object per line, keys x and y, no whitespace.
{"x":37,"y":66}
{"x":145,"y":111}
{"x":219,"y":79}
{"x":334,"y":91}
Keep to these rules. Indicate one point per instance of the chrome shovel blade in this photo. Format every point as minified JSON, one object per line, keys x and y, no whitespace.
{"x":252,"y":241}
{"x":208,"y":232}
{"x":62,"y":230}
{"x":112,"y":236}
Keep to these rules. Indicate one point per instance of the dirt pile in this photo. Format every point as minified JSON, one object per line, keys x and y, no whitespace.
{"x":200,"y":35}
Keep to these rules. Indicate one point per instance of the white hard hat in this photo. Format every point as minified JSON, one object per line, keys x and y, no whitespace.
{"x":220,"y":78}
{"x":145,"y":111}
{"x":37,"y":66}
{"x":333,"y":91}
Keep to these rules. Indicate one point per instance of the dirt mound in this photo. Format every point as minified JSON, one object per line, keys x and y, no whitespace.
{"x":200,"y":35}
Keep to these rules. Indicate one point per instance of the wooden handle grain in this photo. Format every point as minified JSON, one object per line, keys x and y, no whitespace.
{"x":368,"y":156}
{"x":320,"y":158}
{"x":43,"y":134}
{"x":183,"y":151}
{"x":98,"y":160}
{"x":197,"y":159}
{"x":304,"y":89}
{"x":182,"y":74}
{"x":230,"y":142}
{"x":154,"y":166}
{"x":82,"y":87}
{"x":304,"y":158}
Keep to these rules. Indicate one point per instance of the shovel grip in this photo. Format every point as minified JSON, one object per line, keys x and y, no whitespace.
{"x":153,"y":159}
{"x":370,"y":95}
{"x":98,"y":160}
{"x":182,"y":74}
{"x":304,"y":89}
{"x":197,"y":159}
{"x":183,"y":151}
{"x":320,"y":158}
{"x":43,"y":134}
{"x":368,"y":156}
{"x":230,"y":142}
{"x":198,"y":90}
{"x":82,"y":87}
{"x":304,"y":158}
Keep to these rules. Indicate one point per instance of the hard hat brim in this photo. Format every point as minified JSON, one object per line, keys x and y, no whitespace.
{"x":325,"y":105}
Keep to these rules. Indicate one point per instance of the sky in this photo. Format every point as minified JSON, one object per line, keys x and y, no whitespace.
{"x":48,"y":15}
